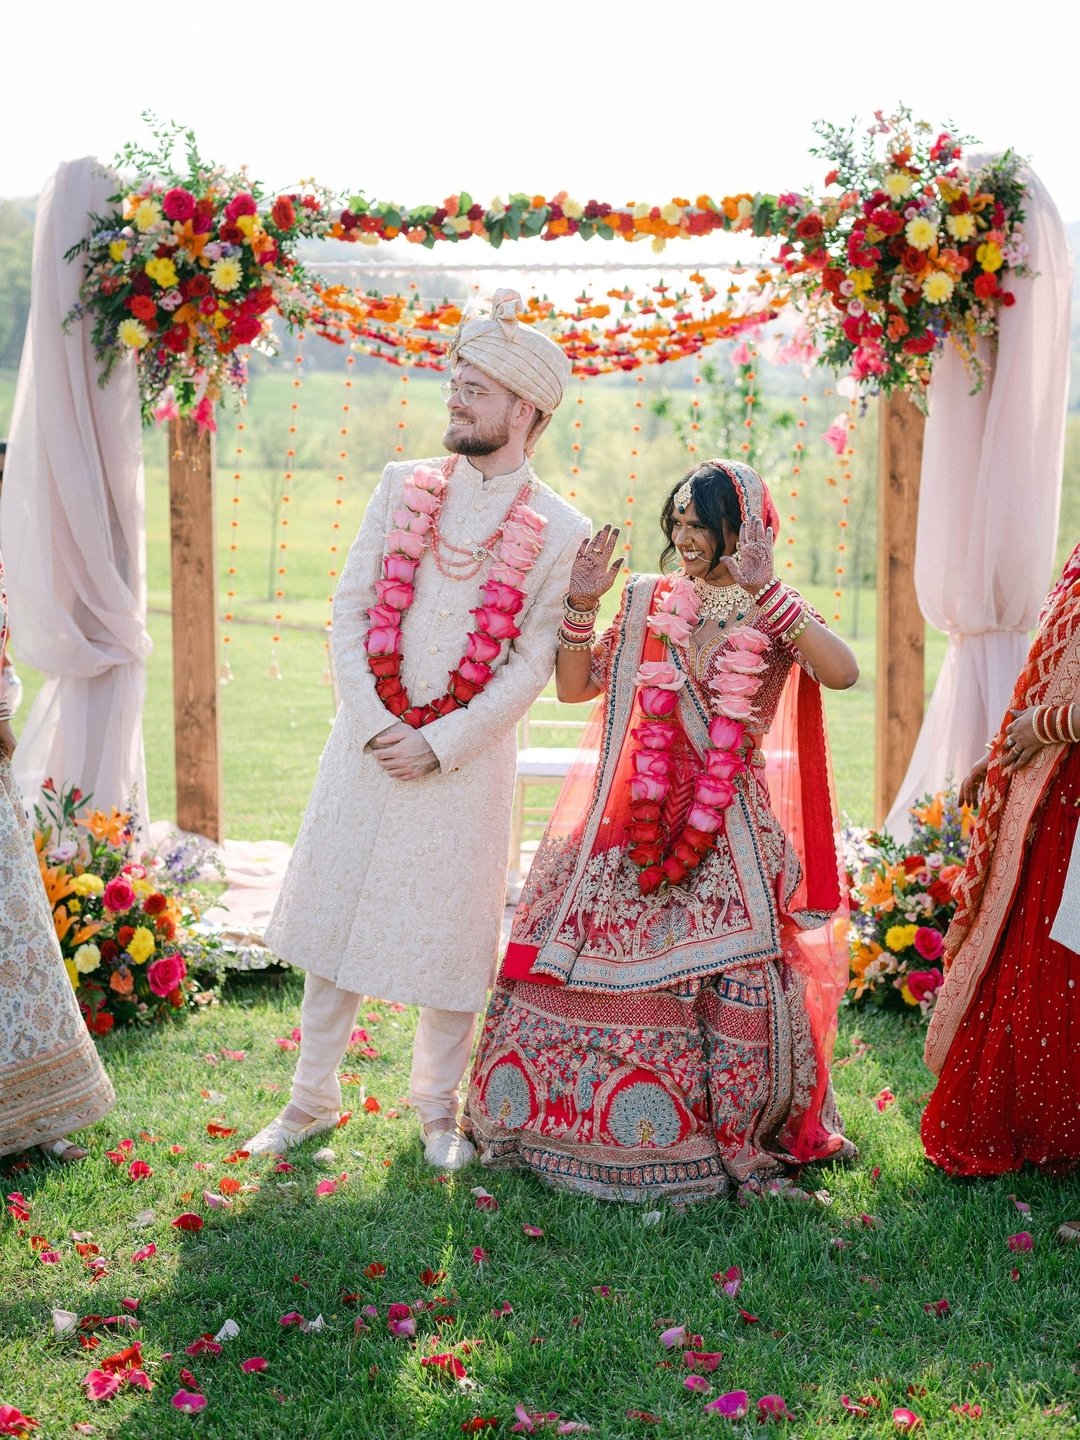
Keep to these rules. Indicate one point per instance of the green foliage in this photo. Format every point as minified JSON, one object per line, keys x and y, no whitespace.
{"x":16,"y":244}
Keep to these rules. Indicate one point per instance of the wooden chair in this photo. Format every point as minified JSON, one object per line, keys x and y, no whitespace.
{"x":539,"y":764}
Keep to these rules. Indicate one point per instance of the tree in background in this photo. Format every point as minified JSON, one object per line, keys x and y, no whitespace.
{"x":16,"y":242}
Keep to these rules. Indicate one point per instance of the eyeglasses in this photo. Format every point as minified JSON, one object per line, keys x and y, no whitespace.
{"x":467,"y":394}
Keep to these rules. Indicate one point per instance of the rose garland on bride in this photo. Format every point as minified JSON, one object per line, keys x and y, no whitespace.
{"x":513,"y":547}
{"x":675,"y":615}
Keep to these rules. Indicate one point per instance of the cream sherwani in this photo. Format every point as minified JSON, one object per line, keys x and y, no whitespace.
{"x":396,"y":887}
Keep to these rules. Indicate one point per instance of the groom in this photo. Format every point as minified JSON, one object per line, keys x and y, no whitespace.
{"x":444,"y":633}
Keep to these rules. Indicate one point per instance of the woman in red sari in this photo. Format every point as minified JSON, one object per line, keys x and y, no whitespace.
{"x":663,"y":1021}
{"x":1005,"y":1034}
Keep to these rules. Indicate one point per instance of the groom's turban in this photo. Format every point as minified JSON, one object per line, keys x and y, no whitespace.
{"x":514,"y":354}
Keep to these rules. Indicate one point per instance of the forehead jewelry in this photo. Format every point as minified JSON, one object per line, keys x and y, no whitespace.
{"x":683,"y":496}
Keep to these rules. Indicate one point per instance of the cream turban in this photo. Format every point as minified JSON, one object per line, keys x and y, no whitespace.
{"x":515,"y":355}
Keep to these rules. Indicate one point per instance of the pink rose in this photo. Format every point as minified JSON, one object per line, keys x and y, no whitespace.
{"x":656,"y":763}
{"x":724,"y":764}
{"x":474,"y":672}
{"x":681,"y":599}
{"x":414,"y":524}
{"x":703,"y":819}
{"x":398,"y":594}
{"x":495,"y":623}
{"x":520,"y":556}
{"x":735,"y":684}
{"x":519,"y":534}
{"x":660,"y":673}
{"x":646,"y":787}
{"x":924,"y":983}
{"x":929,"y":942}
{"x":836,"y":435}
{"x":741,"y":662}
{"x":399,"y":567}
{"x":675,"y":627}
{"x":380,"y":615}
{"x":427,"y":478}
{"x":164,"y":975}
{"x":481,"y":647}
{"x":654,"y":735}
{"x":657,"y":703}
{"x":422,"y":501}
{"x":736,"y":707}
{"x":744,"y":637}
{"x":725,"y":734}
{"x":242,"y":204}
{"x":178,"y":204}
{"x":119,"y":895}
{"x":506,"y":574}
{"x":383,"y":640}
{"x":708,"y":790}
{"x":411,"y":545}
{"x":531,"y":519}
{"x":502,"y":597}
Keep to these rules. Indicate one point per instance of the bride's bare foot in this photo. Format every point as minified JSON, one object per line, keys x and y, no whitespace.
{"x":64,"y":1150}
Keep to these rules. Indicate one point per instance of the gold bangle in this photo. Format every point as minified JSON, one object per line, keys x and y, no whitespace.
{"x":566,"y":643}
{"x":1069,"y":718}
{"x":581,"y":617}
{"x":798,"y":628}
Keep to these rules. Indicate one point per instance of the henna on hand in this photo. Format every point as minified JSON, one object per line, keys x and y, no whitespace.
{"x":752,"y":564}
{"x":593,"y":574}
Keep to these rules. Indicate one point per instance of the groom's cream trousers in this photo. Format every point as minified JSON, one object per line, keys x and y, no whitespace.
{"x":441,"y":1053}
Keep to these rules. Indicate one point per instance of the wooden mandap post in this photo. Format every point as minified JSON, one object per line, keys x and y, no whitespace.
{"x":901,"y":675}
{"x":196,"y":712}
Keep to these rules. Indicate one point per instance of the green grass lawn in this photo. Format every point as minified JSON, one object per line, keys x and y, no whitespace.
{"x":838,"y":1288}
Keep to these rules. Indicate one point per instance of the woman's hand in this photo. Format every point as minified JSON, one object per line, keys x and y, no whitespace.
{"x":752,"y":564}
{"x":7,"y":739}
{"x":593,"y":574}
{"x":972,"y":782}
{"x":1021,"y":742}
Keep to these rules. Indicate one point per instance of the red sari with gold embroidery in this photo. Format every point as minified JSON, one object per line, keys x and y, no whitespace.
{"x":668,"y":1044}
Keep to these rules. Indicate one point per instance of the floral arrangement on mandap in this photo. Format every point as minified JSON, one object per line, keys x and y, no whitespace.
{"x":124,"y":925}
{"x":913,"y":248}
{"x":902,"y":904}
{"x":190,"y":265}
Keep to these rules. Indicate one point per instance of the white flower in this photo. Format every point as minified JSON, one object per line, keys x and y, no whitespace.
{"x":921,"y":232}
{"x":87,"y":958}
{"x":938,"y":287}
{"x":960,"y":227}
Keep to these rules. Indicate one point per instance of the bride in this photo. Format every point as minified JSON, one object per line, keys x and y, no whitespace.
{"x":663,"y":1020}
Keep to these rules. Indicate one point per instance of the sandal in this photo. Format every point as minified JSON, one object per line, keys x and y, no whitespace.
{"x":64,"y":1150}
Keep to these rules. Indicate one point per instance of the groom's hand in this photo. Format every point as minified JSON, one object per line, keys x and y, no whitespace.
{"x":404,"y":753}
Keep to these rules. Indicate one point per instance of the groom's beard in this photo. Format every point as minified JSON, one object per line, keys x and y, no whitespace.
{"x":476,"y":438}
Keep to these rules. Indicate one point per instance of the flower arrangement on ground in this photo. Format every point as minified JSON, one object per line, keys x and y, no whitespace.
{"x":901,"y":903}
{"x":124,"y":924}
{"x":913,"y":248}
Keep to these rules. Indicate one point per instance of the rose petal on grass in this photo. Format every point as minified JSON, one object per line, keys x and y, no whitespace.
{"x":374,"y":1270}
{"x":968,"y":1410}
{"x":1021,"y":1241}
{"x":772,"y":1407}
{"x":446,"y":1362}
{"x":100,"y":1385}
{"x":402,"y":1329}
{"x":484,"y":1201}
{"x":730,"y":1280}
{"x":431,"y":1277}
{"x":219,"y":1130}
{"x":706,"y":1361}
{"x":676,"y":1335}
{"x":49,"y":1257}
{"x":215,"y":1202}
{"x":189,"y":1402}
{"x":236,"y":1158}
{"x":855,"y":1407}
{"x":883,"y":1099}
{"x":697,"y":1383}
{"x":1021,"y":1205}
{"x":734,"y":1405}
{"x":139,"y":1170}
{"x":204,"y":1345}
{"x":906,"y":1420}
{"x":130,"y":1304}
{"x":144,"y":1252}
{"x":747,"y":1318}
{"x":255,"y":1366}
{"x":292,"y":1318}
{"x":533,"y":1231}
{"x":371,"y":1105}
{"x":479,"y":1255}
{"x":936,"y":1307}
{"x":504,"y":1309}
{"x":188,"y":1221}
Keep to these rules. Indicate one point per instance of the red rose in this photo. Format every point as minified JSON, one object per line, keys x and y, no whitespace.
{"x":647,"y":834}
{"x":913,"y":260}
{"x":154,"y":904}
{"x":176,"y":339}
{"x":384,"y":665}
{"x":913,"y":863}
{"x":687,"y":855}
{"x":397,"y":704}
{"x":142,"y":307}
{"x":675,"y":871}
{"x":197,"y":287}
{"x":178,"y":204}
{"x":207,"y":305}
{"x":245,"y":329}
{"x":203,"y":220}
{"x":650,"y":879}
{"x":165,"y":974}
{"x":388,"y":688}
{"x":242,"y":204}
{"x":109,"y":950}
{"x":124,"y":934}
{"x":1006,"y":297}
{"x":118,"y":896}
{"x":647,"y":855}
{"x":940,"y":892}
{"x":985,"y":286}
{"x":646,"y":810}
{"x":101,"y":1023}
{"x":446,"y":705}
{"x":261,"y":300}
{"x":232,"y":234}
{"x":919,"y":345}
{"x":810,"y":228}
{"x":283,"y":213}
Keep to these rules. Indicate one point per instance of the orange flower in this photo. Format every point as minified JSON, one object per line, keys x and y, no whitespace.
{"x":122,"y":981}
{"x":58,"y":884}
{"x":106,"y":827}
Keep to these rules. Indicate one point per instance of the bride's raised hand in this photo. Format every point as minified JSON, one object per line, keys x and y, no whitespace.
{"x":593,"y":574}
{"x":752,"y":563}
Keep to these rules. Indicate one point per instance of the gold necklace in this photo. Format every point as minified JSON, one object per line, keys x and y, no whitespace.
{"x":719,"y":602}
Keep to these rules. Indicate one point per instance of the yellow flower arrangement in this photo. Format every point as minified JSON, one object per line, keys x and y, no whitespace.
{"x":920,"y":233}
{"x":162,"y":270}
{"x":938,"y":287}
{"x":133,"y":334}
{"x":900,"y":937}
{"x":226,"y":274}
{"x":141,"y":945}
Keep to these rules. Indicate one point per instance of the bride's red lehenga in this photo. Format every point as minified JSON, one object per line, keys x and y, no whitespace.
{"x":1005,"y":1034}
{"x":639,"y":1046}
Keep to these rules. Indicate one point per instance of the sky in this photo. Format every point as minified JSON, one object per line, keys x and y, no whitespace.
{"x":411,"y":100}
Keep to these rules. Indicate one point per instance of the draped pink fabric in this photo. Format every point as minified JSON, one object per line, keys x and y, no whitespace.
{"x":73,"y":527}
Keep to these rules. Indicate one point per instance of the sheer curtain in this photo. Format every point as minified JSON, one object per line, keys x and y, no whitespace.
{"x":73,"y":527}
{"x":988,"y":510}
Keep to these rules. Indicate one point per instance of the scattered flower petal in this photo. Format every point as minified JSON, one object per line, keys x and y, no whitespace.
{"x":431,"y":1277}
{"x":936,"y":1307}
{"x":1022,"y":1240}
{"x":772,"y":1407}
{"x":697,"y":1383}
{"x":188,"y":1221}
{"x":484,"y":1201}
{"x":144,"y":1252}
{"x":189,"y":1402}
{"x":735,"y":1405}
{"x":139,"y":1170}
{"x":533,"y":1231}
{"x":255,"y":1366}
{"x":676,"y":1335}
{"x":884,"y":1098}
{"x":100,"y":1385}
{"x":906,"y":1420}
{"x":705,"y":1361}
{"x":479,"y":1255}
{"x":730,"y":1280}
{"x":747,"y":1318}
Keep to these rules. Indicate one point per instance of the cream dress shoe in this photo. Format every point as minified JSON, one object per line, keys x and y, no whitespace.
{"x":281,"y":1134}
{"x":448,"y":1149}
